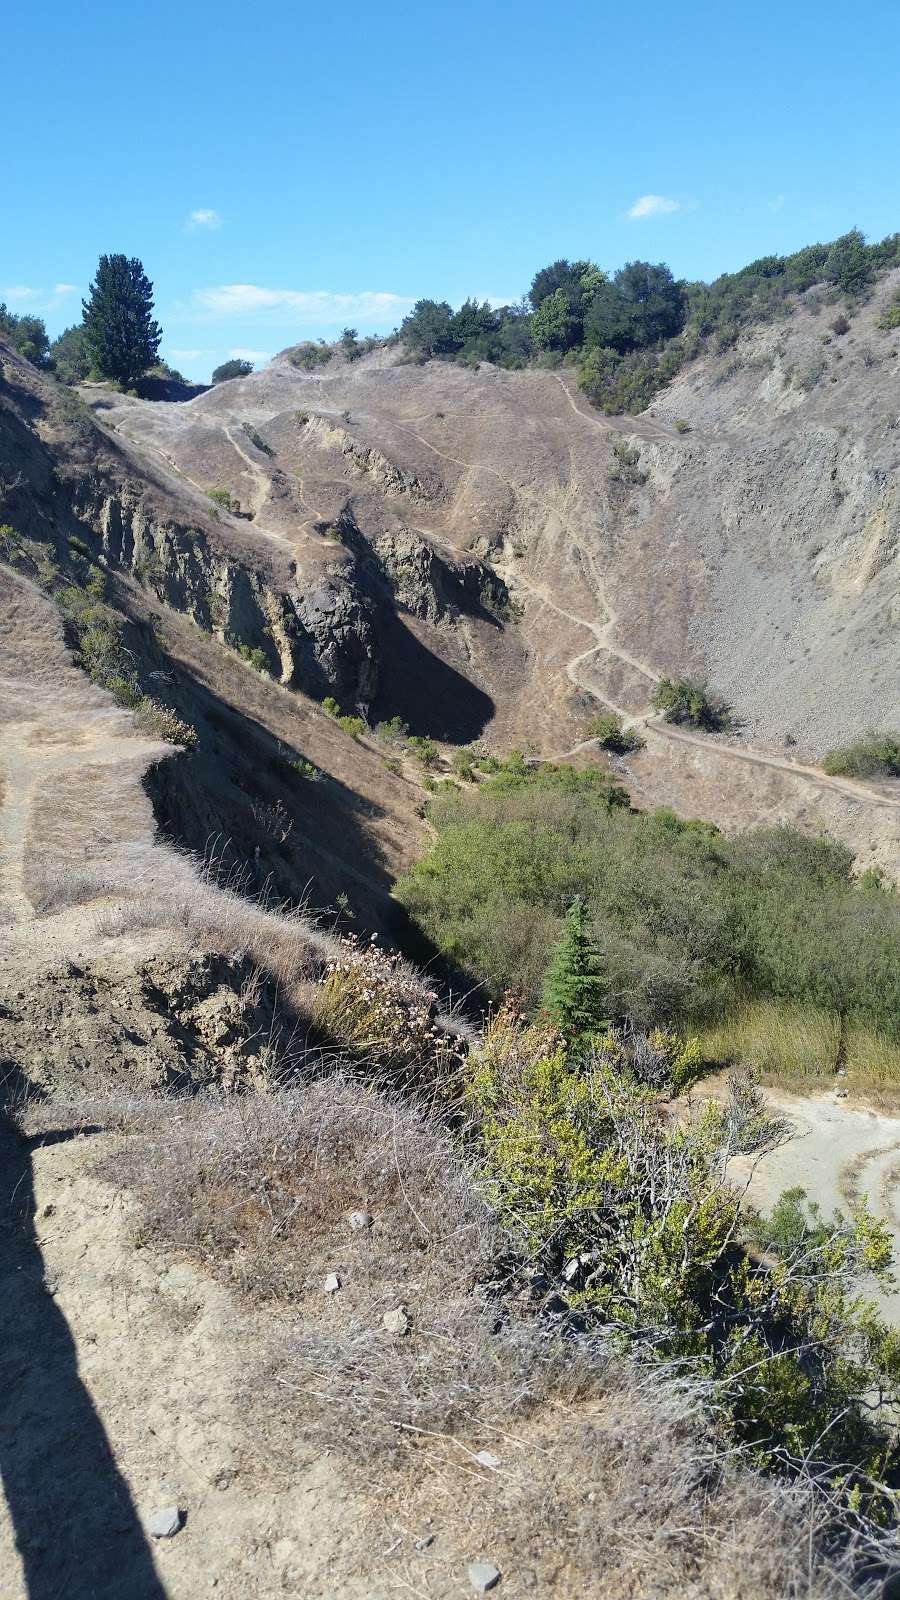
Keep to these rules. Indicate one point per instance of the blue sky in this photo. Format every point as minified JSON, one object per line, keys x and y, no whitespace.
{"x":284,"y":169}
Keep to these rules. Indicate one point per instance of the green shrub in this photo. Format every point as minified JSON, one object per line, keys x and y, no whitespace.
{"x":608,"y":730}
{"x":682,"y":425}
{"x":155,"y":718}
{"x":354,"y":726}
{"x":629,"y":1216}
{"x":682,"y":700}
{"x":463,"y":763}
{"x":691,"y":925}
{"x":224,"y":499}
{"x":392,"y":732}
{"x":875,"y":755}
{"x":308,"y":355}
{"x":253,"y":655}
{"x":237,"y":368}
{"x":304,"y":768}
{"x":424,"y":750}
{"x":890,"y":316}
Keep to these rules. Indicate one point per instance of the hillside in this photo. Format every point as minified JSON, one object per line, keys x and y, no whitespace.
{"x":378,"y":1296}
{"x":758,"y":549}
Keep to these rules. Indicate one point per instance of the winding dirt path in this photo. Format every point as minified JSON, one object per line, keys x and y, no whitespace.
{"x":647,"y":718}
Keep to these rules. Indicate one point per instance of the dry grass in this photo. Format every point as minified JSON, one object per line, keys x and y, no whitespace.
{"x":603,"y":1479}
{"x":801,"y":1047}
{"x":781,"y":1041}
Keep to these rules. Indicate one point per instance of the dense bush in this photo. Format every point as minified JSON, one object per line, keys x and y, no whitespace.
{"x":70,"y":355}
{"x":876,"y":755}
{"x":687,"y":921}
{"x":232,"y":369}
{"x":609,"y":732}
{"x":307,"y":355}
{"x":682,"y":700}
{"x":631,"y":1216}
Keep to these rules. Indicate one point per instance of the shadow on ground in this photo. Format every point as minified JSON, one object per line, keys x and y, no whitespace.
{"x":76,"y":1527}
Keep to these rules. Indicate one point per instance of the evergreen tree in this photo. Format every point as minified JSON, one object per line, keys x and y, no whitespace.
{"x":573,"y":987}
{"x":121,"y":334}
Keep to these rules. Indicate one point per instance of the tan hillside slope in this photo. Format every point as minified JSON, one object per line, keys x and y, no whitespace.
{"x":531,"y":560}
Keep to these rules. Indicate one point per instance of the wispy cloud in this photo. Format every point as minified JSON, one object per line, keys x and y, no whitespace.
{"x":24,"y":296}
{"x":653,"y":205}
{"x":777,"y":204}
{"x":240,"y":354}
{"x":204,"y":217}
{"x":192,"y":355}
{"x":312,"y":306}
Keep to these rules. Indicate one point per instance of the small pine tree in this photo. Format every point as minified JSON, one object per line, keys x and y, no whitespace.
{"x":120,"y":332}
{"x":573,"y":987}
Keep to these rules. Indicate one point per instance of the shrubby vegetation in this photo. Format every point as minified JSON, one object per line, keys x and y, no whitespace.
{"x":610,"y":734}
{"x":682,"y":700}
{"x":689,"y":923}
{"x":237,"y":368}
{"x":27,"y":335}
{"x":630,"y":332}
{"x":309,"y":355}
{"x":876,"y":755}
{"x":70,"y":355}
{"x":632,"y":1217}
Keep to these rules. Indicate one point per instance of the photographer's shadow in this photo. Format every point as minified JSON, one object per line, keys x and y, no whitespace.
{"x":76,"y":1528}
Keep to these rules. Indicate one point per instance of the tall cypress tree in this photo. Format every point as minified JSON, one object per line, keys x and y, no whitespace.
{"x":574,"y":986}
{"x":120,"y":332}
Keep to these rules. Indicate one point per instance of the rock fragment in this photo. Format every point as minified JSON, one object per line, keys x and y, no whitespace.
{"x":483,"y":1575}
{"x":166,"y":1523}
{"x":396,"y":1321}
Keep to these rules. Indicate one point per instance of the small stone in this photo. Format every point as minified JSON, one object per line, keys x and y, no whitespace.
{"x":483,"y":1575}
{"x":360,"y":1221}
{"x":426,"y":1541}
{"x":396,"y":1321}
{"x":166,"y":1523}
{"x":331,"y":1283}
{"x":486,"y":1458}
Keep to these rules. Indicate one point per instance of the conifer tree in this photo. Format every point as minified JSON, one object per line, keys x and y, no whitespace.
{"x":574,"y":987}
{"x":120,"y":332}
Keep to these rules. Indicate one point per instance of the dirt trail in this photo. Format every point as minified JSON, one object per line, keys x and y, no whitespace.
{"x":646,"y":718}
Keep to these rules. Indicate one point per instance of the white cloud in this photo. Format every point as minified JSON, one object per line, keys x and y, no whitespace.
{"x":653,"y":205}
{"x":250,"y":355}
{"x":36,"y":300}
{"x":205,"y":217}
{"x":313,"y":306}
{"x":191,"y":355}
{"x":777,"y":204}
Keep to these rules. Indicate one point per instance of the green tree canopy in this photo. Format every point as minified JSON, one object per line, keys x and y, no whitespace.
{"x":122,"y":336}
{"x":555,"y":325}
{"x":574,"y":987}
{"x":27,"y":335}
{"x":641,"y":305}
{"x":70,"y":355}
{"x":237,"y":368}
{"x":426,"y":331}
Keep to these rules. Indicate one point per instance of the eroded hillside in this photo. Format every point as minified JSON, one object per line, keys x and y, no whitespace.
{"x":514,"y":558}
